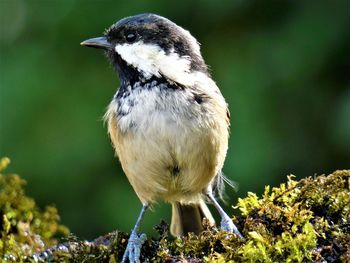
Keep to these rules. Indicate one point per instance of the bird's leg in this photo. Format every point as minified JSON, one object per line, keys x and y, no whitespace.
{"x":226,"y":222}
{"x":133,"y":249}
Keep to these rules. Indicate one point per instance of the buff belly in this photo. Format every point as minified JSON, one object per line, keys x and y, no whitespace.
{"x":167,"y":155}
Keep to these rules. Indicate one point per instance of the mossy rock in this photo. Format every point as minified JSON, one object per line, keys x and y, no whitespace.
{"x":25,"y":229}
{"x":299,"y":221}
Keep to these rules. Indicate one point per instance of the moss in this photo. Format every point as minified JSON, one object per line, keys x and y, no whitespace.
{"x":25,"y":229}
{"x":299,"y":221}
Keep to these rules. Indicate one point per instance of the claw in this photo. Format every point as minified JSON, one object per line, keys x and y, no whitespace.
{"x":229,"y":226}
{"x":226,"y":222}
{"x":133,"y":249}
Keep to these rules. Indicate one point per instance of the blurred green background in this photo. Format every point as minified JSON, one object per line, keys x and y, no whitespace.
{"x":283,"y":66}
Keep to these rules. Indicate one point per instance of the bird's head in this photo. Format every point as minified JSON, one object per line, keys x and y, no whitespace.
{"x":147,"y":45}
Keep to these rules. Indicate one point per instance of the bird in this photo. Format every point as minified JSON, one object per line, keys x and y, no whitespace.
{"x":168,"y":122}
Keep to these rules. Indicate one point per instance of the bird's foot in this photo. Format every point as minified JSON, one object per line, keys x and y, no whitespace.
{"x":133,"y":249}
{"x":229,"y":226}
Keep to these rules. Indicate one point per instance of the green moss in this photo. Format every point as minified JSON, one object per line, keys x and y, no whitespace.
{"x":25,"y":229}
{"x":299,"y":221}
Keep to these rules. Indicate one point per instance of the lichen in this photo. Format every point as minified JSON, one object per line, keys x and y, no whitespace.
{"x":25,"y":229}
{"x":299,"y":221}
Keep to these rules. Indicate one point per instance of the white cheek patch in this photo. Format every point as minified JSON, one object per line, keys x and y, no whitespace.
{"x":151,"y":60}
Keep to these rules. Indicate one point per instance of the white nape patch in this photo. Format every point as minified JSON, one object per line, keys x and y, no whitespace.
{"x":193,"y":42}
{"x":150,"y":59}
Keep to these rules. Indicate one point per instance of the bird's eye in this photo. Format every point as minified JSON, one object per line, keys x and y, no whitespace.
{"x":130,"y":37}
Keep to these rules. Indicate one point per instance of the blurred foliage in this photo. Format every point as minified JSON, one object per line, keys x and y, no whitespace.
{"x":25,"y":229}
{"x":283,"y":66}
{"x":299,"y":221}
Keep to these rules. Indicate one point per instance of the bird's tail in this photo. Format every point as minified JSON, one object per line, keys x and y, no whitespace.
{"x":189,"y":218}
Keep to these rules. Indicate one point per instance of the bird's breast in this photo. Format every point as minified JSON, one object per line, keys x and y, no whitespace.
{"x":167,"y":141}
{"x":155,"y":107}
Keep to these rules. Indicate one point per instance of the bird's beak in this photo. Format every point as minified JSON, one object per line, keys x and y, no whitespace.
{"x":97,"y":42}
